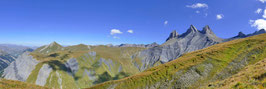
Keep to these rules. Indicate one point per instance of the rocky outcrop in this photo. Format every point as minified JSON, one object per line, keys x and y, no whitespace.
{"x":174,"y":47}
{"x":91,"y":74}
{"x":73,"y":65}
{"x":21,"y":68}
{"x":5,"y":60}
{"x":108,"y":62}
{"x":43,"y":75}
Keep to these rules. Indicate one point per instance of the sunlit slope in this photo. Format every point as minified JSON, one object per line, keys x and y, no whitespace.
{"x":82,"y":66}
{"x":11,"y":84}
{"x":197,"y":69}
{"x":251,"y":77}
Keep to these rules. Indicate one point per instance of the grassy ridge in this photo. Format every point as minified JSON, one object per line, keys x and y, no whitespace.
{"x":11,"y":84}
{"x":220,"y":56}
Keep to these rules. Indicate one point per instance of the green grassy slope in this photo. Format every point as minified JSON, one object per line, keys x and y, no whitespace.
{"x":199,"y":68}
{"x":251,"y":77}
{"x":11,"y":84}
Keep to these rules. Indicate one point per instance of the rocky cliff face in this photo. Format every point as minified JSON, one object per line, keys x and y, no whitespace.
{"x":176,"y":45}
{"x":21,"y":68}
{"x":5,"y":59}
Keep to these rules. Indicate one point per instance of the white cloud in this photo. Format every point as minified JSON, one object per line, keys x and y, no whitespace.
{"x":259,"y":23}
{"x":197,"y":5}
{"x":219,"y":16}
{"x":165,"y":22}
{"x":262,"y":1}
{"x":258,"y":11}
{"x":197,"y":12}
{"x":130,"y":31}
{"x":115,"y":31}
{"x":264,"y":15}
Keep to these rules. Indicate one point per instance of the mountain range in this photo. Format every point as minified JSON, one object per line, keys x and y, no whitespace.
{"x":173,"y":64}
{"x":9,"y":52}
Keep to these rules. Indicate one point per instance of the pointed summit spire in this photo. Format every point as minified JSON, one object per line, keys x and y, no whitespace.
{"x":207,"y":30}
{"x":173,"y":34}
{"x":192,"y":28}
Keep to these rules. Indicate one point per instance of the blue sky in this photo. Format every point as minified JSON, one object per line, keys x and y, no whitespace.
{"x":70,"y":22}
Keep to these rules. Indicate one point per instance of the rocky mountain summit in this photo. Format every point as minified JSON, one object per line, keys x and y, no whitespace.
{"x":172,"y":35}
{"x":176,"y":45}
{"x":52,"y":47}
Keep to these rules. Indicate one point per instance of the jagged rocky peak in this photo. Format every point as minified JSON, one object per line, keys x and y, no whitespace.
{"x":241,"y":34}
{"x":207,"y":30}
{"x":173,"y":34}
{"x":192,"y":28}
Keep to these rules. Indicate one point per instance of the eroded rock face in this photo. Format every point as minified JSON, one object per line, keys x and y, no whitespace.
{"x":9,"y":52}
{"x":108,"y":62}
{"x":5,"y":60}
{"x":176,"y":46}
{"x":90,"y":74}
{"x":21,"y":68}
{"x":73,"y":65}
{"x":43,"y":74}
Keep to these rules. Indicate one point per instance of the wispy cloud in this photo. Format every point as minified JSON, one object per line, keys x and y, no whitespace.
{"x":197,"y":5}
{"x":219,"y":16}
{"x":115,"y":31}
{"x":165,"y":22}
{"x":262,"y":1}
{"x":258,"y":11}
{"x":130,"y":31}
